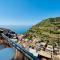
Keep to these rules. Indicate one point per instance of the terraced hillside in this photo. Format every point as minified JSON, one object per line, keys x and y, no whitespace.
{"x":47,"y":30}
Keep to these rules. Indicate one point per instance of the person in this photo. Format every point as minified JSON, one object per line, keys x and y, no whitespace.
{"x":7,"y":54}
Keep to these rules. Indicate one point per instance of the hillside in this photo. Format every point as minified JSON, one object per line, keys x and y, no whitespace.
{"x":48,"y":29}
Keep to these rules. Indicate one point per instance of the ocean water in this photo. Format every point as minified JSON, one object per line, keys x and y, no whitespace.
{"x":4,"y":51}
{"x":19,"y":29}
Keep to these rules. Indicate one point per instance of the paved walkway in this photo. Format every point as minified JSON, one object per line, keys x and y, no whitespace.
{"x":56,"y":57}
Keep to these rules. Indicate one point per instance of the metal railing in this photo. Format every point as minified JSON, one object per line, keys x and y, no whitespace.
{"x":21,"y":49}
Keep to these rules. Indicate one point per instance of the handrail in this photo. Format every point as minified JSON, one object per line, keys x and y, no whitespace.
{"x":21,"y":49}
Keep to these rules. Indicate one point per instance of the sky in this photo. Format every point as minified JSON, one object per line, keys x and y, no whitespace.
{"x":27,"y":12}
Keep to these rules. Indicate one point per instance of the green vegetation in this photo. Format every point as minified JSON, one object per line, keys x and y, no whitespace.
{"x":48,"y":29}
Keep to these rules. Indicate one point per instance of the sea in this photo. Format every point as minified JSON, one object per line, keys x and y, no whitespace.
{"x":19,"y":30}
